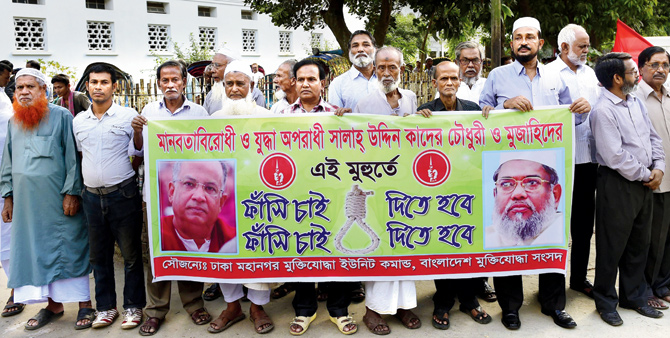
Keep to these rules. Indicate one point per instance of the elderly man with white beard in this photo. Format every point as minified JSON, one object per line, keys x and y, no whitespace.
{"x":582,"y":81}
{"x":238,"y":101}
{"x":238,"y":98}
{"x":215,"y":97}
{"x":389,"y":297}
{"x":360,"y":80}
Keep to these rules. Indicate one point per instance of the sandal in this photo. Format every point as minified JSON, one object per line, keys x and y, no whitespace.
{"x":376,"y":325}
{"x":303,"y":322}
{"x":201,"y":316}
{"x":212,"y":292}
{"x":222,"y":327}
{"x":487,"y":293}
{"x":481,"y":317}
{"x":342,"y":322}
{"x":84,"y":313}
{"x":358,"y":294}
{"x":261,"y":321}
{"x":18,"y":307}
{"x":43,"y":318}
{"x":283,"y":290}
{"x":407,"y":317}
{"x":439,"y":319}
{"x":665,"y":296}
{"x":656,"y":303}
{"x":151,"y":323}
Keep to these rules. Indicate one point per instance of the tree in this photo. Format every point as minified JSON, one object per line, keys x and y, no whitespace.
{"x":310,"y":14}
{"x":405,"y":33}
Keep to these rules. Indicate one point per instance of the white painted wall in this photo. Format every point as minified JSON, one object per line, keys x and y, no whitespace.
{"x":67,"y":37}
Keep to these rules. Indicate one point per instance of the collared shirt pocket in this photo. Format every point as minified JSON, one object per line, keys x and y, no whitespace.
{"x":117,"y":138}
{"x":41,"y":146}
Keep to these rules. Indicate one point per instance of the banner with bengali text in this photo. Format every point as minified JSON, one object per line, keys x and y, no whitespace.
{"x":362,"y":197}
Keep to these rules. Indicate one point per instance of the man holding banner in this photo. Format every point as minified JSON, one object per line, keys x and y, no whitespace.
{"x":523,"y":85}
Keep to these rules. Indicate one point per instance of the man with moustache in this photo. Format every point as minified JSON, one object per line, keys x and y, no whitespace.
{"x":41,"y":183}
{"x":469,"y":58}
{"x":360,"y":80}
{"x":654,"y":64}
{"x":632,"y":161}
{"x":285,"y":80}
{"x":446,"y":80}
{"x":214,"y":98}
{"x":309,"y":84}
{"x":74,"y":101}
{"x":581,"y":79}
{"x":111,"y":200}
{"x":389,"y":297}
{"x":523,"y":85}
{"x":171,"y":77}
{"x":239,"y":101}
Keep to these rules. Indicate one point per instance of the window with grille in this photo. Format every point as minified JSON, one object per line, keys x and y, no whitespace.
{"x":29,"y":34}
{"x":30,"y":2}
{"x":315,"y":41}
{"x":156,"y":7}
{"x":248,"y":40}
{"x":206,"y":11}
{"x":159,"y":38}
{"x":95,"y":4}
{"x":247,"y":15}
{"x":99,"y":35}
{"x":208,"y":37}
{"x":284,"y":42}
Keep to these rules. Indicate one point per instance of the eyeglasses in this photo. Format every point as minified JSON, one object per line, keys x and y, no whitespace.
{"x":634,"y":72}
{"x":528,"y":183}
{"x":218,"y":65}
{"x":655,"y":65}
{"x":466,"y":61}
{"x":209,"y":188}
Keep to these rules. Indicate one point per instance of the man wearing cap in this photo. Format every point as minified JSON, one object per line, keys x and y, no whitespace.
{"x":523,"y":85}
{"x":429,"y":69}
{"x":632,"y":161}
{"x":238,"y":101}
{"x":214,"y":98}
{"x":573,"y":41}
{"x":41,"y":183}
{"x":172,"y":81}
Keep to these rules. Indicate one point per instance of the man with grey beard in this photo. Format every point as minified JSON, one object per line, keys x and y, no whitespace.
{"x":238,"y":98}
{"x":469,"y":58}
{"x":360,"y":80}
{"x":388,"y":99}
{"x":214,"y":98}
{"x":632,"y":162}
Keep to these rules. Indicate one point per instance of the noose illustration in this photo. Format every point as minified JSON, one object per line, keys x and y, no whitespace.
{"x":355,"y":210}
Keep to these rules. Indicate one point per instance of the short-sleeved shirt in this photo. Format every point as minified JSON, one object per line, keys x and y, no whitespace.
{"x":348,"y":88}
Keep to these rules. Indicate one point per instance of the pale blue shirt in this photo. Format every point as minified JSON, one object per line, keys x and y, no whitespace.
{"x":376,"y":103}
{"x":582,"y":83}
{"x":509,"y":81}
{"x":348,"y":88}
{"x":625,"y":138}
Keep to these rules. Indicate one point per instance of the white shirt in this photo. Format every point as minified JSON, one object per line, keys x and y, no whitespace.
{"x":104,"y":145}
{"x":348,"y":88}
{"x":279,"y":106}
{"x":190,"y":244}
{"x":471,"y":94}
{"x":376,"y":103}
{"x":582,"y":83}
{"x":256,"y":77}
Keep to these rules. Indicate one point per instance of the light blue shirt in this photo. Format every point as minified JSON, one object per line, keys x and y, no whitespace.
{"x":582,"y":83}
{"x":509,"y":81}
{"x":348,"y":88}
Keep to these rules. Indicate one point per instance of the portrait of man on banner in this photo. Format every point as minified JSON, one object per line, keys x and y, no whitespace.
{"x":197,"y":206}
{"x":525,"y":207}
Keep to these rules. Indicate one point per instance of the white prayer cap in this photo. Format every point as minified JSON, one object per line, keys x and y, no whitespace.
{"x":526,"y":21}
{"x":32,"y":72}
{"x":546,"y":157}
{"x":228,"y":52}
{"x":238,"y":66}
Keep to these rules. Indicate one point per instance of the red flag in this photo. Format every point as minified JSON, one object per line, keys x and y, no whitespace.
{"x":629,"y":41}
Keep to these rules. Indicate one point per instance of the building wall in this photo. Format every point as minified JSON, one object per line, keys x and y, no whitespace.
{"x":67,"y":37}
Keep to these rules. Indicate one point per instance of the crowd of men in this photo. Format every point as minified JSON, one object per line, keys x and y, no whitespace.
{"x":70,"y":190}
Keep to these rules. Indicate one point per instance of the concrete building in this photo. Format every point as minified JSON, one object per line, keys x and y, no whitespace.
{"x":130,"y":33}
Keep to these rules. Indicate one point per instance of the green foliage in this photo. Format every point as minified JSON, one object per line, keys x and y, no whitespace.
{"x":406,"y":33}
{"x":51,"y":68}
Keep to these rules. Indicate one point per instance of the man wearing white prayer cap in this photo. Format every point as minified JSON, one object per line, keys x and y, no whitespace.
{"x":239,"y":96}
{"x":41,"y":183}
{"x":220,"y":61}
{"x":526,"y":195}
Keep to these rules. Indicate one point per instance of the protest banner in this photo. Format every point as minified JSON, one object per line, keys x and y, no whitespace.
{"x":361,"y":197}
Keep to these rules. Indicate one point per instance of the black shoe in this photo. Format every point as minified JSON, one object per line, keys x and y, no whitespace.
{"x":561,"y":318}
{"x":211,"y":293}
{"x":646,"y":311}
{"x":488,"y":293}
{"x":611,"y":318}
{"x":511,"y":320}
{"x":585,"y":288}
